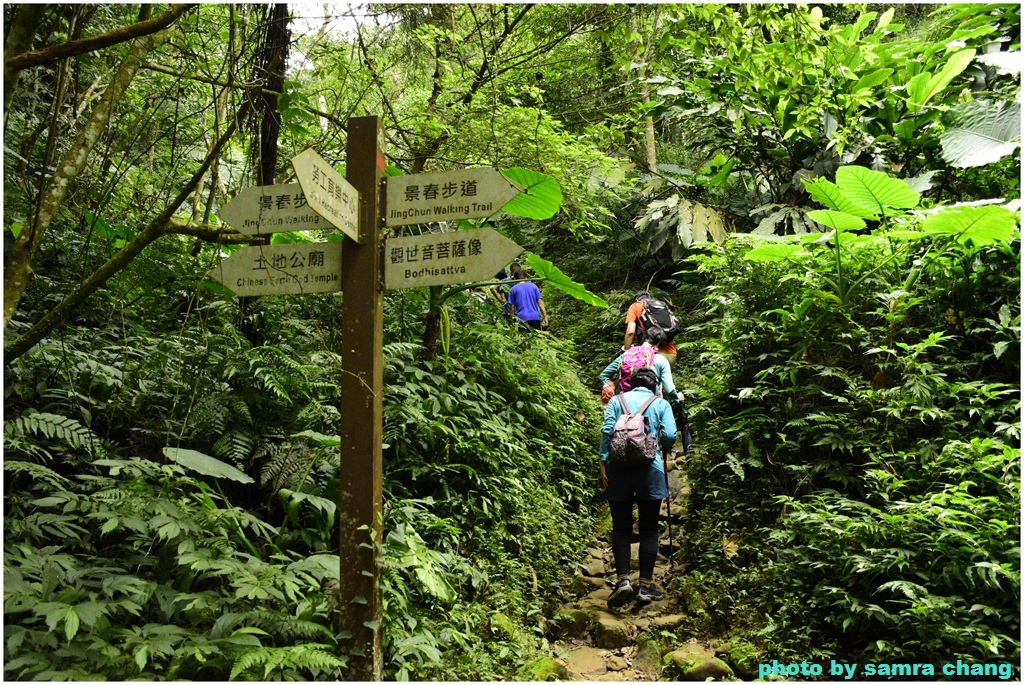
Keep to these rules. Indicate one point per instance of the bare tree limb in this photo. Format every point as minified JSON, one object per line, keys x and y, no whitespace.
{"x":77,"y":47}
{"x":264,"y":91}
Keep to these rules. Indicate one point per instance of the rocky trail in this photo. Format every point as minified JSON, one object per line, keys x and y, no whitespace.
{"x":639,"y":643}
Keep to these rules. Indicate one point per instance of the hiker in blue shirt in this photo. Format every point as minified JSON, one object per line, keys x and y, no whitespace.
{"x":645,"y":484}
{"x":527,"y":303}
{"x":654,"y":337}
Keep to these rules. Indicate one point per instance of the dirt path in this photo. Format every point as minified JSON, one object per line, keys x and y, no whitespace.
{"x":635,"y":643}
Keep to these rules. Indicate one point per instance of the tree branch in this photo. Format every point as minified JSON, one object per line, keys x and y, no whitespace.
{"x":18,"y":259}
{"x":160,"y":226}
{"x":343,"y":125}
{"x":77,"y":47}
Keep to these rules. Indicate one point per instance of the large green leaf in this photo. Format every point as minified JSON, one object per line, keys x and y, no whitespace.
{"x":921,"y":90}
{"x":205,"y":464}
{"x":774,"y":252}
{"x":983,"y":132}
{"x":983,"y":225}
{"x":551,"y":273}
{"x":841,"y":221}
{"x":541,"y":198}
{"x":874,"y":189}
{"x":871,"y":80}
{"x":827,"y":193}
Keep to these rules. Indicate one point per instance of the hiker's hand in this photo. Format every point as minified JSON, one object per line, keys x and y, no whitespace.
{"x":604,"y":476}
{"x":607,"y":392}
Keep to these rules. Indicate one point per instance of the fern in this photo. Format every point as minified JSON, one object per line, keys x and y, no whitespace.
{"x":314,"y":659}
{"x":52,"y":426}
{"x":37,"y":472}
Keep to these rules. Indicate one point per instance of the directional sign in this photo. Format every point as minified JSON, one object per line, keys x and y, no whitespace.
{"x":444,"y":258}
{"x":328,"y":192}
{"x":447,"y":196}
{"x":281,"y":269}
{"x":271,"y":209}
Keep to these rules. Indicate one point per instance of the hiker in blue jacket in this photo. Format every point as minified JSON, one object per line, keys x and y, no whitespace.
{"x":654,"y":337}
{"x":645,"y":484}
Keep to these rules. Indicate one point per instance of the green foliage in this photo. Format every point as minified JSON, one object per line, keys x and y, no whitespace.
{"x":554,"y":277}
{"x":862,"y":443}
{"x":135,"y":570}
{"x":982,"y":132}
{"x":541,"y":197}
{"x":466,"y":448}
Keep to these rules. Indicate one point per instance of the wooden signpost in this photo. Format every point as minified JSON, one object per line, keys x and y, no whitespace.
{"x":447,"y":196}
{"x":281,"y":269}
{"x":327,"y":191}
{"x":271,"y":209}
{"x":360,"y":266}
{"x":360,"y":506}
{"x":445,"y":258}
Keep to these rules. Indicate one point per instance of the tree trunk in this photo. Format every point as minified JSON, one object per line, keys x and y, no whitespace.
{"x":650,"y":148}
{"x":23,"y":30}
{"x":433,"y":323}
{"x":18,"y":260}
{"x":274,"y":59}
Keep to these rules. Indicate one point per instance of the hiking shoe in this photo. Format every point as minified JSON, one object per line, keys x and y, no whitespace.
{"x":621,"y":595}
{"x":648,"y":594}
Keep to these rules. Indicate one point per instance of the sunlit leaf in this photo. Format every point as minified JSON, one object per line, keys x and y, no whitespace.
{"x":983,"y":225}
{"x":554,"y":277}
{"x":983,"y":132}
{"x":867,"y":188}
{"x":841,"y":221}
{"x":541,"y":197}
{"x":774,"y":252}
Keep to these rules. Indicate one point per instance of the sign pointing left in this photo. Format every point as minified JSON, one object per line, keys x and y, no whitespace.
{"x":327,"y":192}
{"x":281,"y":269}
{"x":271,"y":209}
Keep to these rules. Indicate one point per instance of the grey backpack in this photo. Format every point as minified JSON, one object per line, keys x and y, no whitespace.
{"x":631,"y":441}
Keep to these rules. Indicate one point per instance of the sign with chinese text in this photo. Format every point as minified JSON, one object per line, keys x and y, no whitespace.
{"x":447,"y":196}
{"x":271,"y":209}
{"x":445,"y":258}
{"x":281,"y":269}
{"x":327,"y":192}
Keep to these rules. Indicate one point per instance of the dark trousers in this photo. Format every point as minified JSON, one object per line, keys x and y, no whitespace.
{"x":622,"y":534}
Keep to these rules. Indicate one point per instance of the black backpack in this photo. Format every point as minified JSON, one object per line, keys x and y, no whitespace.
{"x":657,"y":313}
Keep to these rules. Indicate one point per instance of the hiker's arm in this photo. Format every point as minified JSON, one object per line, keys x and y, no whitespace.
{"x":668,"y":386}
{"x":543,"y":310}
{"x":630,"y":333}
{"x":611,"y":414}
{"x":668,"y":428}
{"x":610,"y":370}
{"x":604,"y":476}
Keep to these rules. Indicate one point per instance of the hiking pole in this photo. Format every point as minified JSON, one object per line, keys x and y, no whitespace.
{"x":668,"y":517}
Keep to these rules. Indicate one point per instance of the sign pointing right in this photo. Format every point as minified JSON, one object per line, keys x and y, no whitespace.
{"x":447,"y":196}
{"x":445,"y":258}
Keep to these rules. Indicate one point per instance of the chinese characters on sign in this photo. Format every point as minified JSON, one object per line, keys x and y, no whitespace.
{"x":281,"y":269}
{"x":328,"y":192}
{"x":444,"y":258}
{"x":447,"y":196}
{"x":271,"y":209}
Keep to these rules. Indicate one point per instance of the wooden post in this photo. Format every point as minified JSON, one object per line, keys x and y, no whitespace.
{"x":360,"y":506}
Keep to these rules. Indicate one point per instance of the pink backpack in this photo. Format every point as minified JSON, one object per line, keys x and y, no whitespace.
{"x":635,"y":357}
